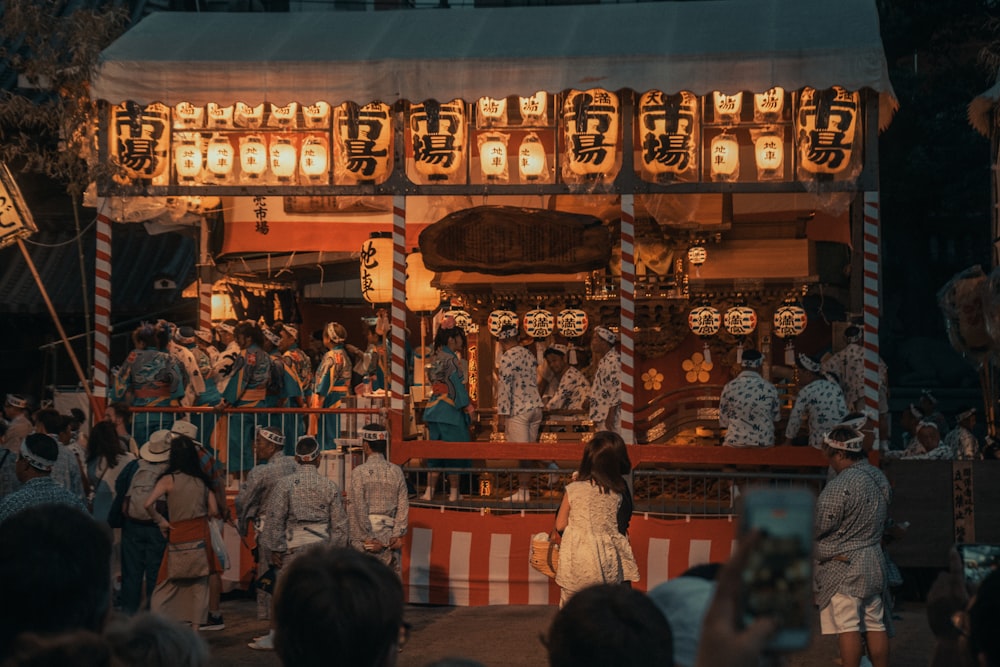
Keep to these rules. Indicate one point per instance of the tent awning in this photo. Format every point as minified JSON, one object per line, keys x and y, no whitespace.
{"x":443,"y":54}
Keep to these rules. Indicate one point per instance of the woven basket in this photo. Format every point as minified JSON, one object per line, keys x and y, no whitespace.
{"x":544,"y":555}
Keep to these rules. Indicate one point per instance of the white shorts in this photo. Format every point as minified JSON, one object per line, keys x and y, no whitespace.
{"x":847,"y":613}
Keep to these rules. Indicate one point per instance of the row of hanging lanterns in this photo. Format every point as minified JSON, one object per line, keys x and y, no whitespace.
{"x":740,"y":320}
{"x":539,"y":323}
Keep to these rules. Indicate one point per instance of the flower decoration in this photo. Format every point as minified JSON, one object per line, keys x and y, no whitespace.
{"x":652,"y":379}
{"x":697,"y":368}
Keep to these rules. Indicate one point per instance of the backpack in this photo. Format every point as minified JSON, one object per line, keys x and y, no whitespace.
{"x":142,"y":483}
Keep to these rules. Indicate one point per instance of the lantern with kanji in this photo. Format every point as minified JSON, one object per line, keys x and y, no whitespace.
{"x":363,"y":143}
{"x":421,"y":295}
{"x":697,"y":255}
{"x":245,"y":115}
{"x":221,"y":158}
{"x":826,"y":129}
{"x":572,"y":322}
{"x":500,"y":318}
{"x":437,"y":132}
{"x":789,"y":321}
{"x":769,"y":105}
{"x":285,"y":117}
{"x":668,"y":133}
{"x":740,"y":321}
{"x":140,"y":140}
{"x":704,"y":322}
{"x":724,"y":158}
{"x":534,"y":108}
{"x":539,"y":323}
{"x":491,"y":112}
{"x":376,"y":269}
{"x":769,"y":154}
{"x":493,"y":155}
{"x":727,"y":107}
{"x":316,"y":116}
{"x":314,"y":158}
{"x":590,"y":124}
{"x":188,"y":116}
{"x":219,"y":117}
{"x":253,"y":157}
{"x":464,"y":321}
{"x":531,"y":161}
{"x":283,"y":159}
{"x":188,"y":158}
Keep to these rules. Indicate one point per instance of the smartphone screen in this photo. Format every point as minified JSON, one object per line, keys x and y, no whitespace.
{"x":777,"y":580}
{"x":978,"y":560}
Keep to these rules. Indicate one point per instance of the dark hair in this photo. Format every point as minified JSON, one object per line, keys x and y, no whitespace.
{"x":251,"y":331}
{"x":306,"y":445}
{"x":152,"y":640}
{"x":602,"y":462}
{"x":338,"y":602}
{"x":147,"y":334}
{"x":610,"y":624}
{"x":184,"y":457}
{"x":104,"y":443}
{"x":57,"y":561}
{"x":983,"y":617}
{"x":51,"y":420}
{"x":378,"y":446}
{"x":443,"y":335}
{"x":43,"y":445}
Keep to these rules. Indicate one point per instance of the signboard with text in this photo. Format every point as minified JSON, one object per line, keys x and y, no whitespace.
{"x":15,"y":218}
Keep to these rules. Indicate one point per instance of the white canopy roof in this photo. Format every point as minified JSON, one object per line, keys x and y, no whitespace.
{"x":725,"y":45}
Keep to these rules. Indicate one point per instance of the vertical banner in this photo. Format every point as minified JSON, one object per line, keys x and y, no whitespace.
{"x":627,"y":296}
{"x":397,"y":347}
{"x":870,"y":285}
{"x":102,"y":307}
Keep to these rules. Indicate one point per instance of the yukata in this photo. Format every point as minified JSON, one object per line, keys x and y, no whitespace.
{"x":67,"y":472}
{"x":194,"y":383}
{"x":445,"y":414}
{"x":19,"y":428}
{"x":606,"y":392}
{"x":209,"y":396}
{"x":569,"y":392}
{"x":331,"y":384}
{"x":35,"y":492}
{"x":297,"y":382}
{"x":517,"y":394}
{"x":304,"y":508}
{"x":373,"y":365}
{"x":963,"y":444}
{"x":8,"y":477}
{"x":851,"y":514}
{"x":247,"y":388}
{"x":379,"y":507}
{"x":225,"y":365}
{"x":822,"y":402}
{"x":250,"y":501}
{"x":153,"y":379}
{"x":849,"y":367}
{"x":748,"y":408}
{"x":917,"y":452}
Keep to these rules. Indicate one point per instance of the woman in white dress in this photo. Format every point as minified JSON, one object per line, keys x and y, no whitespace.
{"x":593,"y":550}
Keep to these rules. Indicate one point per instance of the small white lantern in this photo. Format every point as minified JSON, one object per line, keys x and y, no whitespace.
{"x":316,"y":116}
{"x":727,"y":107}
{"x":421,"y":295}
{"x":533,"y":108}
{"x":188,"y":160}
{"x":314,"y":158}
{"x":697,"y":255}
{"x":284,"y":117}
{"x":539,"y":323}
{"x":493,"y":156}
{"x":221,"y":157}
{"x":790,"y":320}
{"x":704,"y":321}
{"x":248,"y":116}
{"x":725,"y":158}
{"x":253,"y":156}
{"x":282,"y":158}
{"x":188,"y":116}
{"x":219,"y":117}
{"x":376,"y":269}
{"x":740,"y":320}
{"x":492,"y":112}
{"x":499,"y":318}
{"x":572,"y":322}
{"x":769,"y":152}
{"x":531,"y":162}
{"x":768,"y":106}
{"x":464,"y":321}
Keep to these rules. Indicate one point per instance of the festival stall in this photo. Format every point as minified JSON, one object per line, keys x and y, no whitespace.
{"x":697,"y":177}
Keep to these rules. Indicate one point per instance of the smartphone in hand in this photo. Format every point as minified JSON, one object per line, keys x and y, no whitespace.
{"x":777,"y":580}
{"x":978,"y":560}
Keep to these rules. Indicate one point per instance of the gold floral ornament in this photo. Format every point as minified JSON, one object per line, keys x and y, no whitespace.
{"x":652,"y":379}
{"x":696,"y":369}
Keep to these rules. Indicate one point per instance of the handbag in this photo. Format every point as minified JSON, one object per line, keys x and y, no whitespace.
{"x":544,"y":555}
{"x":187,"y":560}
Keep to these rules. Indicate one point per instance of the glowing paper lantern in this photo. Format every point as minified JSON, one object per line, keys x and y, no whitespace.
{"x":727,"y":107}
{"x":531,"y":158}
{"x":740,"y":321}
{"x":704,"y":321}
{"x":188,"y":116}
{"x":283,"y":159}
{"x":247,"y":116}
{"x":827,"y":128}
{"x":221,"y":157}
{"x":769,"y":152}
{"x":769,"y":105}
{"x":790,"y":321}
{"x":492,"y":112}
{"x":533,"y":108}
{"x":464,"y":321}
{"x":590,"y":122}
{"x":314,"y":158}
{"x":725,"y":158}
{"x":139,"y":141}
{"x":253,"y":156}
{"x":219,"y":117}
{"x":438,"y":135}
{"x":316,"y":116}
{"x":668,"y":126}
{"x":493,"y":156}
{"x":363,"y":136}
{"x":498,"y":319}
{"x":187,"y":160}
{"x":697,"y":255}
{"x":421,"y":295}
{"x":572,"y":322}
{"x":376,"y":270}
{"x":539,"y":323}
{"x":284,"y":117}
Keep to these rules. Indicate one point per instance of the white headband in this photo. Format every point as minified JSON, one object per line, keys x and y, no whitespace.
{"x":272,"y":436}
{"x":270,"y":335}
{"x":850,"y":445}
{"x":16,"y":401}
{"x":292,"y":331}
{"x":331,"y":333}
{"x":371,"y":435}
{"x":607,"y":334}
{"x":228,"y":328}
{"x":36,"y":461}
{"x":309,"y":456}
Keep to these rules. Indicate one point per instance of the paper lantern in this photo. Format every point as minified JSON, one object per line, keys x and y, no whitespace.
{"x":769,"y":105}
{"x":740,"y":320}
{"x":498,"y":319}
{"x":376,"y":270}
{"x":221,"y":157}
{"x":188,"y":116}
{"x":253,"y":156}
{"x":222,"y":305}
{"x":283,"y":159}
{"x":590,"y":122}
{"x":492,"y":112}
{"x":790,"y":320}
{"x":285,"y":117}
{"x":531,"y":158}
{"x":219,"y":117}
{"x":316,"y":116}
{"x":727,"y":107}
{"x":697,"y":255}
{"x":539,"y":323}
{"x":245,"y":115}
{"x":140,"y":139}
{"x":421,"y":295}
{"x":725,"y":158}
{"x":438,"y":135}
{"x":464,"y":321}
{"x":668,"y":132}
{"x":769,"y":152}
{"x":493,"y":156}
{"x":533,"y":108}
{"x":363,"y":136}
{"x":572,"y":322}
{"x":826,"y":126}
{"x":314,"y":158}
{"x":188,"y":160}
{"x":704,"y":321}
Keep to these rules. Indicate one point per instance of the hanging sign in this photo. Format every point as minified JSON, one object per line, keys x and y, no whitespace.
{"x":15,"y":217}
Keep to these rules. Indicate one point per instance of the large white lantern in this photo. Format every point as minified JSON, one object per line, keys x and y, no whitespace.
{"x":376,"y":269}
{"x":314,"y":159}
{"x":221,"y":157}
{"x":188,"y":160}
{"x":140,"y":140}
{"x":283,"y":159}
{"x":769,"y":153}
{"x":826,"y":127}
{"x":572,"y":322}
{"x":740,"y":320}
{"x":253,"y":156}
{"x":421,"y":295}
{"x":500,"y":318}
{"x":668,"y":133}
{"x":438,"y":135}
{"x":363,"y":143}
{"x":539,"y":323}
{"x":725,"y":158}
{"x":590,"y":122}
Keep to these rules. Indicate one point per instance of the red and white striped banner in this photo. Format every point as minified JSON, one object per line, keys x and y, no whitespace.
{"x":627,"y":297}
{"x":204,"y":305}
{"x":397,"y":345}
{"x":102,"y":306}
{"x":871,"y":280}
{"x":473,"y":559}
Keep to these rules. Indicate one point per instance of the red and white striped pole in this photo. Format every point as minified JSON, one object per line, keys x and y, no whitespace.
{"x":397,"y":347}
{"x":204,"y":286}
{"x":870,"y":286}
{"x":102,"y":315}
{"x":627,"y":298}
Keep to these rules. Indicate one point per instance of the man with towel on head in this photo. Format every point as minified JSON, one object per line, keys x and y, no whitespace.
{"x":519,"y":405}
{"x":379,"y":504}
{"x":962,"y":442}
{"x":606,"y":390}
{"x":749,"y":406}
{"x":820,"y":401}
{"x":38,"y":454}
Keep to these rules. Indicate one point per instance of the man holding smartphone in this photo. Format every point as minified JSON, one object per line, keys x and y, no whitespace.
{"x":850,"y":582}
